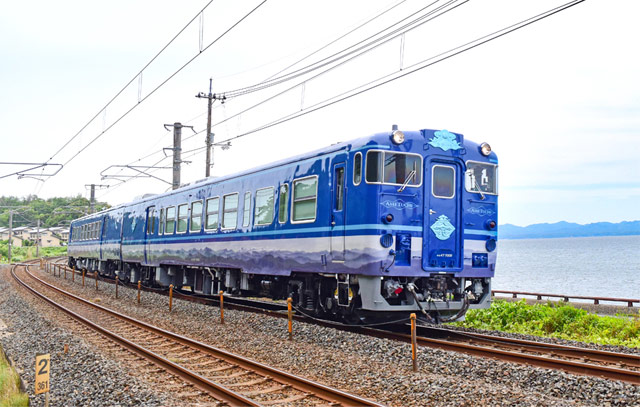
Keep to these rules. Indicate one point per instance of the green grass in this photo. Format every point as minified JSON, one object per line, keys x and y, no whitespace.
{"x":556,"y":320}
{"x":10,"y":395}
{"x":19,"y":254}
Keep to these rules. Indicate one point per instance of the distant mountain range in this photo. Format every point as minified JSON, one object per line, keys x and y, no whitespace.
{"x":566,"y":229}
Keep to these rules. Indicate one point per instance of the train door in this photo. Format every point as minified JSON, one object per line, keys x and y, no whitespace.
{"x":338,"y":212}
{"x":442,"y":246}
{"x":150,"y":231}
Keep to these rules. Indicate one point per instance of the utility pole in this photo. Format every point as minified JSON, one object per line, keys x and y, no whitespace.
{"x":92,"y":202}
{"x":209,"y":137}
{"x":10,"y":233}
{"x":177,"y":151}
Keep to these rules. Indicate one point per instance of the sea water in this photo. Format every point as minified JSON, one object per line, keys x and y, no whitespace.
{"x":603,"y":266}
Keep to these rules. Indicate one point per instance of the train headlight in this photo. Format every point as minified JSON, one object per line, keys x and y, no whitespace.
{"x":397,"y":137}
{"x":485,"y":149}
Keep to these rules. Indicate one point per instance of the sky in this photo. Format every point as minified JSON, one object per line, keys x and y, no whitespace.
{"x":558,"y":100}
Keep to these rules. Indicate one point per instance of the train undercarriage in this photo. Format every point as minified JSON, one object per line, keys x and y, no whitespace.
{"x":352,"y":299}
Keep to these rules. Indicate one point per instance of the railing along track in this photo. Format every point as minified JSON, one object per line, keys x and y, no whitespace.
{"x":284,"y":380}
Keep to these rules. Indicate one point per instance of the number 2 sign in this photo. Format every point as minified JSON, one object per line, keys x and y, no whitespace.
{"x":42,"y":373}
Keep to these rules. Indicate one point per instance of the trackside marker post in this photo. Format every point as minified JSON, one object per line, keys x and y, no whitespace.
{"x":170,"y":296}
{"x":42,"y":375}
{"x":289,"y":301}
{"x":73,"y":274}
{"x":221,"y":307}
{"x":413,"y":342}
{"x":83,"y":277}
{"x":96,"y":281}
{"x":116,"y":286}
{"x":139,"y":284}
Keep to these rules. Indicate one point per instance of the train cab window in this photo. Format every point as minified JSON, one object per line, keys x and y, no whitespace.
{"x":357,"y":169}
{"x":339,"y":179}
{"x":170,"y":220}
{"x":246,"y":213}
{"x":283,"y":203}
{"x":391,"y":168}
{"x":305,"y":192}
{"x":481,"y":178}
{"x":443,"y":181}
{"x":230,"y":211}
{"x":263,"y":214}
{"x":213,"y":209}
{"x":196,"y":217}
{"x":183,"y":217}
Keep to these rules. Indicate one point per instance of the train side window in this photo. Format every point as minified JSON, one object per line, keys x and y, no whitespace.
{"x":283,"y":203}
{"x":357,"y":169}
{"x":374,"y":166}
{"x":196,"y":217}
{"x":230,"y":211}
{"x":246,"y":213}
{"x":443,"y":181}
{"x":213,"y":209}
{"x":339,"y":180}
{"x":305,"y":192}
{"x":183,"y":218}
{"x":170,"y":221}
{"x":161,"y":223}
{"x":263,"y":214}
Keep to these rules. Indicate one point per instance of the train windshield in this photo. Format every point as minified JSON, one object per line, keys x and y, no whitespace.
{"x":481,"y":178}
{"x":386,"y":167}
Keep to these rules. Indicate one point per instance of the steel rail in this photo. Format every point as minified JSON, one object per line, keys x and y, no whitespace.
{"x":583,"y":368}
{"x":219,"y":392}
{"x":300,"y":383}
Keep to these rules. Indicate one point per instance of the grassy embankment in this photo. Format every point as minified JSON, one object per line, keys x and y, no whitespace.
{"x":556,"y":320}
{"x":19,"y":254}
{"x":10,"y":395}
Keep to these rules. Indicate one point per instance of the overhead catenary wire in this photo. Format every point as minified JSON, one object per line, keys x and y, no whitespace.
{"x":352,"y":49}
{"x":130,"y":81}
{"x":341,"y":63}
{"x":410,"y":69}
{"x":164,"y":82}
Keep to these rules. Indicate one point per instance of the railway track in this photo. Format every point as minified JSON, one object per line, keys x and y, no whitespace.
{"x":577,"y":360}
{"x":229,"y":378}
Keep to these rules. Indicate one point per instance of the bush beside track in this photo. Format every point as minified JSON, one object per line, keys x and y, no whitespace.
{"x":20,"y":254}
{"x":556,"y":320}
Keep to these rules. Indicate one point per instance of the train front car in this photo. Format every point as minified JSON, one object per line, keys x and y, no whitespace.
{"x":431,"y":197}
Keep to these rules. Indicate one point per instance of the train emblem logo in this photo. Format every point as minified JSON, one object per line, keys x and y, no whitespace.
{"x":442,"y":227}
{"x":399,"y":205}
{"x":444,"y":140}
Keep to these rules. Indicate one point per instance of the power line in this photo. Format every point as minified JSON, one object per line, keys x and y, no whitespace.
{"x":163,"y":82}
{"x":354,"y":48}
{"x":416,"y":67}
{"x":131,"y":81}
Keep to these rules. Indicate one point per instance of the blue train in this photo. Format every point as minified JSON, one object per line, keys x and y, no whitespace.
{"x":374,"y":228}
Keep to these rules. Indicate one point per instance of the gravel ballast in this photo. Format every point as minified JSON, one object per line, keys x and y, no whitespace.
{"x":82,"y":377}
{"x":370,"y":367}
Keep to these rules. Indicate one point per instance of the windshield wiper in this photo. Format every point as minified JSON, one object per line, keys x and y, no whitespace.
{"x":411,"y":175}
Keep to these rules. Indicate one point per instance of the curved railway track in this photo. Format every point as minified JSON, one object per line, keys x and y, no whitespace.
{"x":229,"y":378}
{"x":577,"y":360}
